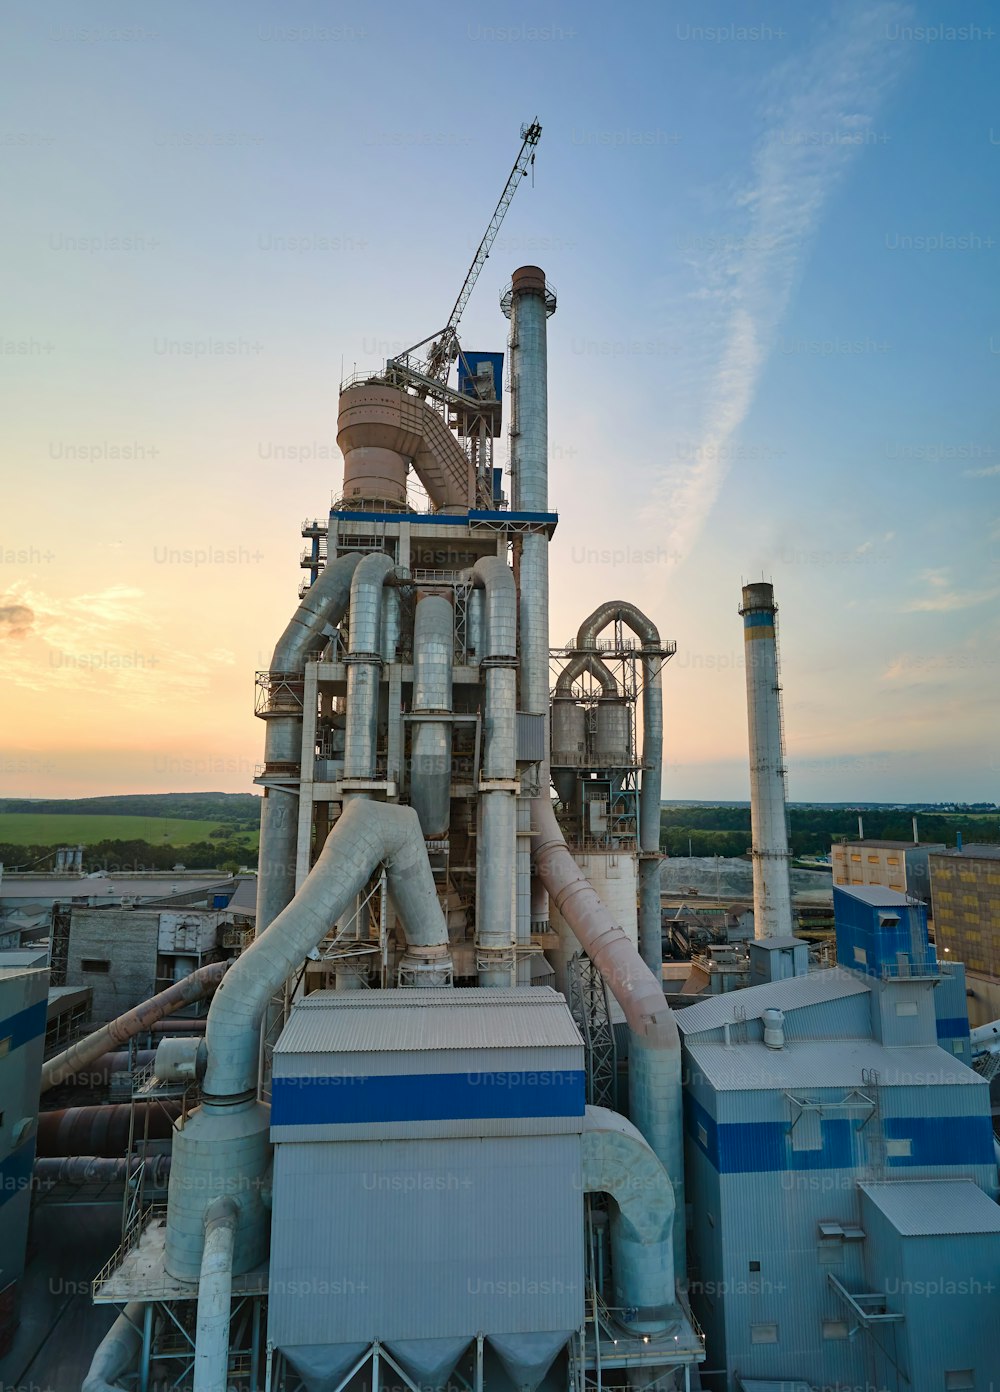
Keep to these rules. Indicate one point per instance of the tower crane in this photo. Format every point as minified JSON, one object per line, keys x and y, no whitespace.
{"x":433,"y":373}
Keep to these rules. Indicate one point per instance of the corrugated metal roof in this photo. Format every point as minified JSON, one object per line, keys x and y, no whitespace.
{"x":398,"y":1021}
{"x":793,"y":994}
{"x":779,"y":944}
{"x":935,"y":1207}
{"x":825,"y":1063}
{"x":878,"y":896}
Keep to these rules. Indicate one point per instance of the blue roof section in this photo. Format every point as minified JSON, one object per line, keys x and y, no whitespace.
{"x":451,"y":519}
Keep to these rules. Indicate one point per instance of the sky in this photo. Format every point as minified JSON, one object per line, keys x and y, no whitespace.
{"x":773,"y":231}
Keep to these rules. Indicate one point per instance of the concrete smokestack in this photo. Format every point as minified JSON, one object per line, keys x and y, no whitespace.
{"x":772,"y":900}
{"x":529,"y":303}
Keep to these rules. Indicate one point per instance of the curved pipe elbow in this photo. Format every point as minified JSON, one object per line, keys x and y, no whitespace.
{"x":117,"y":1353}
{"x":586,"y":662}
{"x":323,"y":604}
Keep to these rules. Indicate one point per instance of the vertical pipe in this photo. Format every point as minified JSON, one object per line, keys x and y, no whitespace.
{"x":496,"y":855}
{"x":772,"y":900}
{"x":364,"y":665}
{"x":215,"y":1290}
{"x":433,"y":661}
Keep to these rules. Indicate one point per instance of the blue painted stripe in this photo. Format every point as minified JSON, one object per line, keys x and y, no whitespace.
{"x":15,"y":1170}
{"x":427,"y":1097}
{"x":26,"y":1025}
{"x":765,"y":1146}
{"x":956,"y":1027}
{"x":964,"y":1140}
{"x":758,"y":618}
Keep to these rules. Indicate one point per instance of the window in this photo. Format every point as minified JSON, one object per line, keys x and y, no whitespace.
{"x":5,"y":1046}
{"x":957,"y":1046}
{"x":765,"y":1334}
{"x":873,"y":860}
{"x":755,"y":1266}
{"x":898,"y":1150}
{"x":95,"y":964}
{"x":702,"y":1136}
{"x":835,"y":1329}
{"x":857,"y":858}
{"x":906,"y":1007}
{"x":892,"y":860}
{"x":860,"y":955}
{"x":960,"y":1380}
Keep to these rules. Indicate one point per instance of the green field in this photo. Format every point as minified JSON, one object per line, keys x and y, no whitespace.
{"x":79,"y":829}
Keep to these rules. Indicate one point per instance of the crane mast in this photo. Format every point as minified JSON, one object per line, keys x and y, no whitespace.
{"x":433,"y":372}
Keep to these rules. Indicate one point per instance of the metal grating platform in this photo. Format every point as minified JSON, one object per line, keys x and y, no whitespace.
{"x":137,"y":1270}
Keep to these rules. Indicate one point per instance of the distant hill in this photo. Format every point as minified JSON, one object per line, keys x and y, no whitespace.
{"x":194,"y":807}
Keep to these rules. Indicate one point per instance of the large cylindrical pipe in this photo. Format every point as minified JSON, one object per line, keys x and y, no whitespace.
{"x":323,"y":606}
{"x":433,"y":661}
{"x":365,"y":665}
{"x":496,"y":901}
{"x":72,"y":1060}
{"x":100,"y":1071}
{"x":118,"y":1351}
{"x":655,"y":1101}
{"x":215,"y":1292}
{"x":223,"y":1146}
{"x":76,"y":1171}
{"x":619,"y":1161}
{"x":103,"y":1130}
{"x":772,"y":897}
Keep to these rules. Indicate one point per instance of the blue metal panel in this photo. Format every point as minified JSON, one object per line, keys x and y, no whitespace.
{"x":941,"y":1140}
{"x":428,"y":1097}
{"x":15,"y":1171}
{"x":953,"y":1029}
{"x":859,"y":930}
{"x":475,"y":361}
{"x":26,"y":1025}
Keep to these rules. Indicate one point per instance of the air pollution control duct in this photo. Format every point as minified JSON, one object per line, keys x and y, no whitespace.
{"x":430,"y":749}
{"x":223,"y":1147}
{"x":323,"y":606}
{"x":143,"y":1017}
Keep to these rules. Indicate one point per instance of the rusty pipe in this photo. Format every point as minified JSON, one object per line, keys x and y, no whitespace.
{"x":185,"y":992}
{"x":103,"y":1130}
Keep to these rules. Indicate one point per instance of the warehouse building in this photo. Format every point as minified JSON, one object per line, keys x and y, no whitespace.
{"x":966,"y":888}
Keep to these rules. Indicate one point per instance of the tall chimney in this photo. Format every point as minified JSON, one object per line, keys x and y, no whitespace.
{"x":861,"y":827}
{"x":916,"y":836}
{"x":772,"y":899}
{"x":528,"y":304}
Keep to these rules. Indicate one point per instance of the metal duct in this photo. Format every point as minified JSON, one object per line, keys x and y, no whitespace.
{"x":223,"y":1146}
{"x":75,"y":1171}
{"x":496,"y":857}
{"x":433,"y":661}
{"x":193,"y":988}
{"x":618,"y":1161}
{"x":772,"y":897}
{"x":364,"y":665}
{"x":102,"y":1130}
{"x":582,"y":662}
{"x":215,"y":1292}
{"x":323,"y":606}
{"x":650,"y":938}
{"x":118,"y":1352}
{"x":99,"y":1072}
{"x":654,"y":1074}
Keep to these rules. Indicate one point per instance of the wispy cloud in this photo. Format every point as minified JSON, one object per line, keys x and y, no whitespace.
{"x":944,"y":597}
{"x":742,"y":289}
{"x":992,"y":471}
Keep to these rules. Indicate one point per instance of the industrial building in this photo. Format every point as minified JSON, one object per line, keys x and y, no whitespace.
{"x":442,"y":1131}
{"x":965,"y":888}
{"x":834,"y":1150}
{"x":900,"y":865}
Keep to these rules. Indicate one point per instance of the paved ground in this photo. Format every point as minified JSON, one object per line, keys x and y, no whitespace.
{"x":60,"y":1328}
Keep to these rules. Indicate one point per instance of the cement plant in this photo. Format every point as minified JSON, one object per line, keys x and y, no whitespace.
{"x":453,"y":1095}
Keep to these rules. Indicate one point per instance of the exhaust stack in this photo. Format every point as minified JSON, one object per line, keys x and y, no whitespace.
{"x":772,"y":898}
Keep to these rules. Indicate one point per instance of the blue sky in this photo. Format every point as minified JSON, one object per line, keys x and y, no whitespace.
{"x":773,"y":231}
